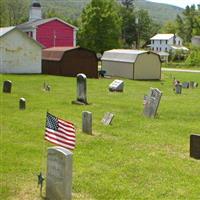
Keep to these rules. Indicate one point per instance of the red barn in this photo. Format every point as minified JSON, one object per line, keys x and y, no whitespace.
{"x":52,"y":32}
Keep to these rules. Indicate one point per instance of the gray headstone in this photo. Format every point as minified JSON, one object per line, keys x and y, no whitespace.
{"x":48,"y":88}
{"x":87,"y":122}
{"x":178,"y":88}
{"x":82,"y":88}
{"x":107,"y":119}
{"x":196,"y":84}
{"x":191,"y":84}
{"x":7,"y":86}
{"x":116,"y":86}
{"x":22,"y":104}
{"x":152,"y":102}
{"x":185,"y":85}
{"x":195,"y":146}
{"x":59,"y":174}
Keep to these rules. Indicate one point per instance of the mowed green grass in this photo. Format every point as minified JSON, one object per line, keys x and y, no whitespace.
{"x":134,"y":158}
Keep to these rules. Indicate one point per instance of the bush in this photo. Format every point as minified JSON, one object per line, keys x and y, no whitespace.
{"x":194,"y":57}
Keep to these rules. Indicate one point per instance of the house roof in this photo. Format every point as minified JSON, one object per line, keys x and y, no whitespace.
{"x":122,"y":55}
{"x":56,"y":53}
{"x":162,"y":36}
{"x":35,"y":23}
{"x":5,"y":30}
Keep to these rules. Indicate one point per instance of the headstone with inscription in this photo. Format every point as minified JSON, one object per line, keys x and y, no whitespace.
{"x":7,"y":86}
{"x":81,"y":90}
{"x":22,"y":103}
{"x":107,"y":119}
{"x":59,"y":174}
{"x":87,"y":122}
{"x":152,"y":102}
{"x":116,"y":86}
{"x":195,"y":146}
{"x":178,"y":88}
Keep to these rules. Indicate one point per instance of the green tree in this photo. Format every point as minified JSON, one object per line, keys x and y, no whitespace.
{"x":169,"y":27}
{"x":100,"y":27}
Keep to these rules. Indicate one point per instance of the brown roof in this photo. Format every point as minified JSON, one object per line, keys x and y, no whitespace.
{"x":56,"y":53}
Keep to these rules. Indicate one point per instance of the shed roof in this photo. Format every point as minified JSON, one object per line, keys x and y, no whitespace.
{"x":5,"y":30}
{"x":122,"y":55}
{"x":162,"y":36}
{"x":35,"y":23}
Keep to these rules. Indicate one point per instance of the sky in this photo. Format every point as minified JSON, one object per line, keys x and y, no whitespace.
{"x":179,"y":3}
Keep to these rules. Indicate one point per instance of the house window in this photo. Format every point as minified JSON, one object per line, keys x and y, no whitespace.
{"x":179,"y":42}
{"x":166,"y":42}
{"x":152,"y":41}
{"x":31,"y":34}
{"x":165,"y":48}
{"x":156,"y":48}
{"x":160,"y":49}
{"x":160,"y":41}
{"x":152,"y":48}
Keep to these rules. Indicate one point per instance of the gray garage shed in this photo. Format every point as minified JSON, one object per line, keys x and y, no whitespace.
{"x":132,"y":64}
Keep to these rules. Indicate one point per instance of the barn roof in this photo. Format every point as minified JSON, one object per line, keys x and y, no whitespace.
{"x":122,"y":55}
{"x":56,"y":53}
{"x":162,"y":36}
{"x":5,"y":30}
{"x":35,"y":23}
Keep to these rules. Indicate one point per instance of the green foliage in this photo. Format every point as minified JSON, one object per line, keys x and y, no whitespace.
{"x":169,"y":27}
{"x":100,"y":27}
{"x":134,"y":158}
{"x":194,"y":57}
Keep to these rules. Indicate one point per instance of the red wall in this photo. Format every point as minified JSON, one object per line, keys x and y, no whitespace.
{"x":63,"y":32}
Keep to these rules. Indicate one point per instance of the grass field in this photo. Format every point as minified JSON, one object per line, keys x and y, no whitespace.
{"x":134,"y":158}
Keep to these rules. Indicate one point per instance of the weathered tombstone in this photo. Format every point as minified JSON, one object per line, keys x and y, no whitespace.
{"x":185,"y":85}
{"x":178,"y":88}
{"x":59,"y":174}
{"x":195,"y":146}
{"x":7,"y":86}
{"x":152,"y":102}
{"x":191,"y":83}
{"x":48,"y":88}
{"x":87,"y":122}
{"x":22,"y":103}
{"x":196,"y":84}
{"x":107,"y":119}
{"x":116,"y":86}
{"x":81,"y":90}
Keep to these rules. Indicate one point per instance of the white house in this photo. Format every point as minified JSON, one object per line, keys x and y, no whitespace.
{"x":19,"y":52}
{"x":132,"y":64}
{"x":166,"y":42}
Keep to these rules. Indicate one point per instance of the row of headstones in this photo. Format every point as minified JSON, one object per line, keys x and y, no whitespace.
{"x":59,"y":169}
{"x":178,"y":85}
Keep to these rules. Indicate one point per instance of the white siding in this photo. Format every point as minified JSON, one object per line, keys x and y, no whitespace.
{"x":19,"y":54}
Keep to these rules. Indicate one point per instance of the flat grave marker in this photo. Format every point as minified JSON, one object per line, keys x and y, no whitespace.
{"x":116,"y":86}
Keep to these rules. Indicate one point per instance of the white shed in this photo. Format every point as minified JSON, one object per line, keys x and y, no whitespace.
{"x":132,"y":64}
{"x":19,"y":53}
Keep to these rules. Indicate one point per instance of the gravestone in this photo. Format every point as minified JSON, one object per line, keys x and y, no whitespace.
{"x":178,"y":88}
{"x":191,"y":84}
{"x":195,"y":146}
{"x":87,"y":122}
{"x":7,"y":86}
{"x":152,"y":102}
{"x":196,"y":84}
{"x":107,"y":119}
{"x":116,"y":86}
{"x":185,"y":85}
{"x":59,"y":174}
{"x":81,"y":90}
{"x":22,"y":104}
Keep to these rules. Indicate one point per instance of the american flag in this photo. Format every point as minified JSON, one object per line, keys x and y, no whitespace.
{"x":60,"y":132}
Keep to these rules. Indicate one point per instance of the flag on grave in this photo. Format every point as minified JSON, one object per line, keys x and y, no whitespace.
{"x":60,"y":132}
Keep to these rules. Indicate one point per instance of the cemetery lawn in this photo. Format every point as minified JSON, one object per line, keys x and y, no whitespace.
{"x":134,"y":158}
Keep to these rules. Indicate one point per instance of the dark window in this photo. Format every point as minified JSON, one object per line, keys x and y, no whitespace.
{"x":160,"y":41}
{"x":166,"y":41}
{"x":165,"y":48}
{"x":160,"y":49}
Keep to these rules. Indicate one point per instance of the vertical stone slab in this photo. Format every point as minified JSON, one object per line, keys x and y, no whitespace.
{"x":178,"y":88}
{"x":59,"y":174}
{"x":195,"y":146}
{"x":87,"y":122}
{"x":22,"y":104}
{"x":7,"y":86}
{"x":82,"y":88}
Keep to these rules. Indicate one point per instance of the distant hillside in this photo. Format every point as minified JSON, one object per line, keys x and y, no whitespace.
{"x":72,"y":9}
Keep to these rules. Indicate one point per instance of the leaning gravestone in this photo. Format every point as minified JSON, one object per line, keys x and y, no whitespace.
{"x":59,"y":174}
{"x":81,"y":90}
{"x":7,"y":86}
{"x":195,"y":146}
{"x":152,"y":102}
{"x":116,"y":86}
{"x":107,"y":119}
{"x":22,"y":104}
{"x":87,"y":122}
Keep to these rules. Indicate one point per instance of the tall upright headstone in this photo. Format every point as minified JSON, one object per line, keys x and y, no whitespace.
{"x":59,"y":174}
{"x":152,"y":102}
{"x":195,"y":146}
{"x":87,"y":122}
{"x":22,"y":103}
{"x":7,"y":86}
{"x":82,"y":88}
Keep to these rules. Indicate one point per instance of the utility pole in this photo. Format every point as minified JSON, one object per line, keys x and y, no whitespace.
{"x":137,"y":33}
